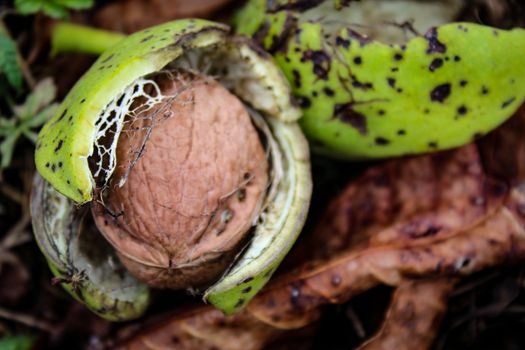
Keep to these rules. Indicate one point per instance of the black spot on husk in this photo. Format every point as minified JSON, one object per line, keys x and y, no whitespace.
{"x":346,"y":114}
{"x":440,"y":93}
{"x":508,"y":102}
{"x":434,"y":45}
{"x":321,"y":61}
{"x":342,"y":42}
{"x":381,"y":141}
{"x":435,"y":64}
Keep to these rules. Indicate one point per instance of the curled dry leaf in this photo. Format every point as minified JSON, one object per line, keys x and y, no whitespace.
{"x":413,"y":318}
{"x":295,"y":301}
{"x":412,"y":201}
{"x":462,"y":220}
{"x":207,"y":328}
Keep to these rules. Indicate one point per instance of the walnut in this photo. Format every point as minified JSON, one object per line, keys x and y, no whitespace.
{"x":188,"y":187}
{"x":154,"y":144}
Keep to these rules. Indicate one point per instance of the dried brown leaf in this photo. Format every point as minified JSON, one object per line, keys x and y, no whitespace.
{"x":407,"y":202}
{"x":414,"y":315}
{"x":206,"y":328}
{"x":295,"y":300}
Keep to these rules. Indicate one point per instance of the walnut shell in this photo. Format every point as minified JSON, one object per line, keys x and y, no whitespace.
{"x":194,"y":176}
{"x":77,"y":154}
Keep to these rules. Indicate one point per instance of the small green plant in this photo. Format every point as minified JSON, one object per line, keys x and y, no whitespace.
{"x":26,"y":118}
{"x":17,"y":342}
{"x":18,"y":120}
{"x":9,"y":67}
{"x":52,"y":8}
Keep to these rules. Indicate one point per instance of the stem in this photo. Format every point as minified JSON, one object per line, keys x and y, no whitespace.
{"x":68,"y":37}
{"x":28,"y":320}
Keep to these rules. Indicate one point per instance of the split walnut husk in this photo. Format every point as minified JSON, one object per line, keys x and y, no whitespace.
{"x":384,"y":78}
{"x":183,"y":141}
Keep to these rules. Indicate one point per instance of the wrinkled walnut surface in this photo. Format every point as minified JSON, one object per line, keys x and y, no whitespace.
{"x":196,"y":176}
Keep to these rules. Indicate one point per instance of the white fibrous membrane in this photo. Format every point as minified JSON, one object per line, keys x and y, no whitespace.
{"x":111,"y":121}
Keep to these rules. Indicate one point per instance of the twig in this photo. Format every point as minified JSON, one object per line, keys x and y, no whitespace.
{"x":16,"y":235}
{"x":356,"y":322}
{"x":8,"y":257}
{"x":26,"y":319}
{"x":474,"y":284}
{"x":11,"y":193}
{"x":516,"y":309}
